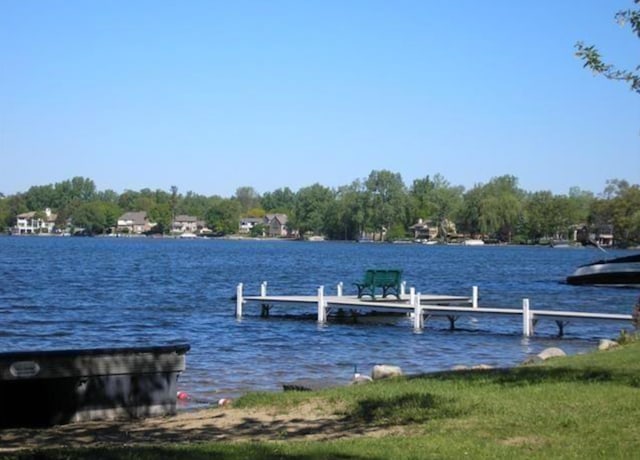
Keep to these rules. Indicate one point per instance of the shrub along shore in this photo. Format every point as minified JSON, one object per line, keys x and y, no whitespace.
{"x":584,"y":406}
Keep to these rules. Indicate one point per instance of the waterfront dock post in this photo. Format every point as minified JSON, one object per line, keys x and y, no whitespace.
{"x":322,"y":313}
{"x":239,"y":301}
{"x":418,"y":320}
{"x":527,"y":324}
{"x":474,"y":297}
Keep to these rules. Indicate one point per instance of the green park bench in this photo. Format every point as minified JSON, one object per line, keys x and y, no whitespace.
{"x":387,"y":280}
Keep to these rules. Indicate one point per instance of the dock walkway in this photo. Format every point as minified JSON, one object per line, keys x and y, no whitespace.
{"x":421,"y":307}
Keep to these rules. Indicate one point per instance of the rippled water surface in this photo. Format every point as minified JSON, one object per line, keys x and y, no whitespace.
{"x":60,"y":293}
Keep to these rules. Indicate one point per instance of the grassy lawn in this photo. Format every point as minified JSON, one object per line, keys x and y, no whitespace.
{"x":585,"y":406}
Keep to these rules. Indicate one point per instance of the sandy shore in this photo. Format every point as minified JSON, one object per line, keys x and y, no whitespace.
{"x":308,"y":422}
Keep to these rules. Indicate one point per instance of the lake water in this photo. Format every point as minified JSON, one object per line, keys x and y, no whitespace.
{"x":59,"y":293}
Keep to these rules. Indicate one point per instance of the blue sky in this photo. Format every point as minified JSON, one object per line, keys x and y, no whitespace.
{"x":213,"y":95}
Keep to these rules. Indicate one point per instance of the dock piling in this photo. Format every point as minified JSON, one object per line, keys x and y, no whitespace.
{"x":527,"y":325}
{"x":561,"y":325}
{"x":239,"y":301}
{"x":474,"y":297}
{"x":418,"y":322}
{"x":339,"y":288}
{"x":263,"y":289}
{"x":403,"y":288}
{"x":322,"y":318}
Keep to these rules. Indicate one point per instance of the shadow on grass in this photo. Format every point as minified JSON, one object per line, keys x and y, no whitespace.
{"x":529,"y":375}
{"x":199,"y":437}
{"x":400,"y":410}
{"x":196,"y":452}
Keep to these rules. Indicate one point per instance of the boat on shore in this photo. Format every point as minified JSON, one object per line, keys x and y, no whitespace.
{"x":620,"y":271}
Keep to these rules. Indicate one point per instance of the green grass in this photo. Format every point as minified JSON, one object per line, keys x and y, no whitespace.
{"x":585,"y":406}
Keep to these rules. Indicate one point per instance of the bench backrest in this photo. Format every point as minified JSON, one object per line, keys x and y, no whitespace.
{"x":369,"y":277}
{"x":387,"y":277}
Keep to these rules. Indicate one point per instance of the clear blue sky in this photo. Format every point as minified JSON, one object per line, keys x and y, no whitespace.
{"x":213,"y":95}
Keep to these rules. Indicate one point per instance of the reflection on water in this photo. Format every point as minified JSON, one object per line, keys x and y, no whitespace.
{"x":97,"y":292}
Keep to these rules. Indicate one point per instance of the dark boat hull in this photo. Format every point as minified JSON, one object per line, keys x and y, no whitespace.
{"x":622,"y":271}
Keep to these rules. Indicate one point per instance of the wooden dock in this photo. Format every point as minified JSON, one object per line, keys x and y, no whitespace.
{"x":421,"y":307}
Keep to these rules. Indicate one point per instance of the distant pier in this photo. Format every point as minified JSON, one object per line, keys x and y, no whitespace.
{"x":420,"y":307}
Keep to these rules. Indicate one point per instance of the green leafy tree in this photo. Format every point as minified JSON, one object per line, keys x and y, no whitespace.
{"x":223,"y":216}
{"x":345,"y":218}
{"x":95,"y":217}
{"x":144,"y":203}
{"x":435,"y":199}
{"x":108,"y":196}
{"x":387,"y":199}
{"x":494,"y":209}
{"x":555,"y":216}
{"x":258,"y":230}
{"x":619,"y":208}
{"x":248,"y":198}
{"x":162,"y":216}
{"x":174,"y":202}
{"x":579,"y":205}
{"x":544,"y":213}
{"x":39,"y":197}
{"x":127,"y":200}
{"x":310,"y":209}
{"x":281,"y":200}
{"x":111,"y":214}
{"x":193,"y":204}
{"x":5,"y":214}
{"x":421,"y":198}
{"x":469,"y":220}
{"x":256,"y":212}
{"x":397,"y":231}
{"x":16,"y":205}
{"x":592,"y":59}
{"x":71,"y":193}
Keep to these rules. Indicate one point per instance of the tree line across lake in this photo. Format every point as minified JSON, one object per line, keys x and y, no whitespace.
{"x":380,"y":204}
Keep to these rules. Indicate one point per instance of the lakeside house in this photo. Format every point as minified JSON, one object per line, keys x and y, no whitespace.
{"x":185,"y":224}
{"x":424,"y":230}
{"x":275,"y":225}
{"x":603,"y":236}
{"x":35,"y":222}
{"x":247,"y":224}
{"x":134,"y":222}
